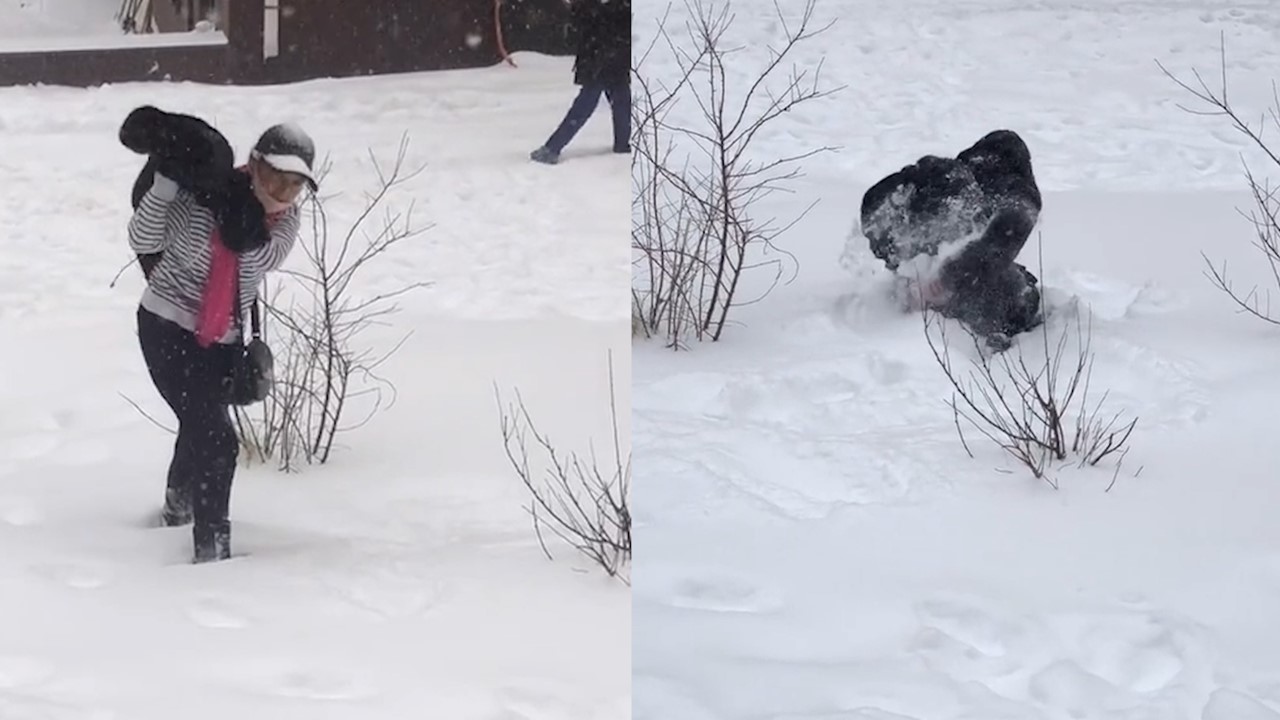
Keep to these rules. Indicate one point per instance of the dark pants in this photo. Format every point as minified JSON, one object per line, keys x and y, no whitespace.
{"x":190,"y":379}
{"x":619,"y":98}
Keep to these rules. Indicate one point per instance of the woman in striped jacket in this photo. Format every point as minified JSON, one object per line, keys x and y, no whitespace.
{"x":206,"y":235}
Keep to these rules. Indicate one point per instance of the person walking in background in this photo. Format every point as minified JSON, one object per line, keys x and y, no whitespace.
{"x":602,"y":67}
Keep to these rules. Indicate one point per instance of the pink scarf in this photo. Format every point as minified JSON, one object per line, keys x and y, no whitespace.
{"x":217,"y":306}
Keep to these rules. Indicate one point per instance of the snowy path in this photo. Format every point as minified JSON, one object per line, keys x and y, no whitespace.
{"x":817,"y":545}
{"x":24,"y":20}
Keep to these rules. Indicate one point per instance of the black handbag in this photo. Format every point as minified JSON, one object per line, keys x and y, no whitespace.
{"x":252,"y":364}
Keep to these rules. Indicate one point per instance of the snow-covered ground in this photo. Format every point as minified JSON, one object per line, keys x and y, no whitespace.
{"x":814,"y":542}
{"x":401,"y":580}
{"x":56,"y":19}
{"x":63,"y":25}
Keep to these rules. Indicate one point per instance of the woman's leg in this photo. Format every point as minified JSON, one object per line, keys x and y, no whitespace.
{"x":164,"y":356}
{"x":215,"y":456}
{"x":579,"y":112}
{"x":619,"y":97}
{"x":190,"y":378}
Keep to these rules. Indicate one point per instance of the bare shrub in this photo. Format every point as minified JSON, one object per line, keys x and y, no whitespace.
{"x":578,"y":500}
{"x":697,"y":183}
{"x":1264,"y":216}
{"x":1037,"y":411}
{"x":322,"y":365}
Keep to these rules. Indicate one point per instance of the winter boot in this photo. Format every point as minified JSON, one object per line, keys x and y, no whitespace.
{"x":177,"y":507}
{"x":212,"y":542}
{"x":545,"y":155}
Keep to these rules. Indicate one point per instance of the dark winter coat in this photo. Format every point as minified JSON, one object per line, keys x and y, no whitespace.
{"x":199,"y":159}
{"x":603,"y":32}
{"x":987,"y":192}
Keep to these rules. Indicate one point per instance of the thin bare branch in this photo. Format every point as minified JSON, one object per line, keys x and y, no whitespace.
{"x":571,"y":497}
{"x":695,"y":232}
{"x":322,"y":372}
{"x":1024,"y":406}
{"x":1265,"y":214}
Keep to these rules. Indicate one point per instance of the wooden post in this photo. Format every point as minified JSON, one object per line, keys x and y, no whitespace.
{"x":166,"y":17}
{"x":242,"y":23}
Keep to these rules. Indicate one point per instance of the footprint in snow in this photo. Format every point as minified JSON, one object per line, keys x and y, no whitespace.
{"x":1136,"y":602}
{"x":862,"y":713}
{"x":662,"y":698}
{"x":20,"y":513}
{"x":885,"y":370}
{"x":1065,"y":686}
{"x":969,"y":624}
{"x":23,"y":707}
{"x":217,"y":614}
{"x":543,"y":701}
{"x":1267,"y":691}
{"x":1226,"y":704}
{"x":313,"y":684}
{"x":18,"y":672}
{"x":1140,"y":652}
{"x":618,"y":709}
{"x":79,"y":576}
{"x":806,"y":394}
{"x":391,"y":592}
{"x":968,"y":643}
{"x":721,"y":593}
{"x":1076,"y":293}
{"x":32,"y":446}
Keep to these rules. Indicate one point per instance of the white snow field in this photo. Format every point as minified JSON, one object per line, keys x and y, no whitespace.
{"x":46,"y":25}
{"x":54,"y":21}
{"x":815,"y":542}
{"x":402,"y":579}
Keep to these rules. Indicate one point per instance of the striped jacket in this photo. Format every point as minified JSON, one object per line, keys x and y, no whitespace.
{"x":169,"y":221}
